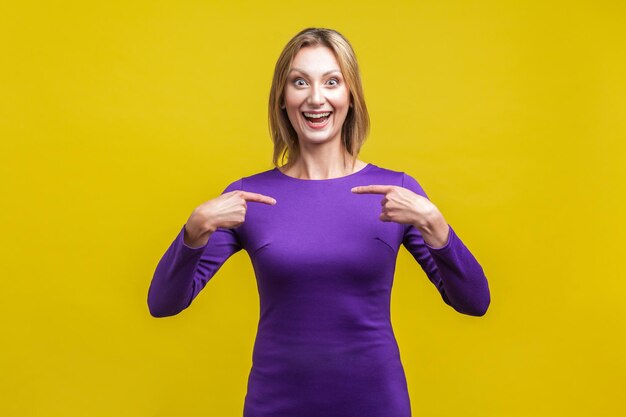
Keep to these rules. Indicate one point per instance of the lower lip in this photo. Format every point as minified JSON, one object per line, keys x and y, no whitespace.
{"x":317,"y":125}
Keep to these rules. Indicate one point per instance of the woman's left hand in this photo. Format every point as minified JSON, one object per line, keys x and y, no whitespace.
{"x":402,"y":205}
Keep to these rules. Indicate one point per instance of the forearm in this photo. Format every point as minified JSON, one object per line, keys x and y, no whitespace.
{"x":462,"y":281}
{"x":172,"y":284}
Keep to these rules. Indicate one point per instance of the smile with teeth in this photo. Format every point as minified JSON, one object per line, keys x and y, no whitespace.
{"x":316,"y":118}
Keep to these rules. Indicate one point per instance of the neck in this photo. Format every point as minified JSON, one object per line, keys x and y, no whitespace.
{"x":317,"y":166}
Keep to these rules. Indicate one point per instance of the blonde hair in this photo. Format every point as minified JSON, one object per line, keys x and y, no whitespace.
{"x":356,"y":126}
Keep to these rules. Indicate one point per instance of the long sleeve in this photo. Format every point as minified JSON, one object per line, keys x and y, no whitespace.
{"x":452,"y":268}
{"x":184,"y":271}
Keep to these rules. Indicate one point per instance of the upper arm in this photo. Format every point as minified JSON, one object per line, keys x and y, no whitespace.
{"x":222,"y":244}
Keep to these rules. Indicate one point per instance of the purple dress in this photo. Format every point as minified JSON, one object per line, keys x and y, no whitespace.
{"x":324,"y":264}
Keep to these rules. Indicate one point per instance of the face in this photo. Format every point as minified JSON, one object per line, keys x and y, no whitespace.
{"x":316,"y":96}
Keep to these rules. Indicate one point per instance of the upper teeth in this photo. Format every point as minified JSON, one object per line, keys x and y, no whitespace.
{"x":316,"y":115}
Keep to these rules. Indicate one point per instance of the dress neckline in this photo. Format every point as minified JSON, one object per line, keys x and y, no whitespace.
{"x":361,"y":171}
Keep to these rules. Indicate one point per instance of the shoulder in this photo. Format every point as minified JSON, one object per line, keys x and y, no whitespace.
{"x":398,"y":177}
{"x":392,"y":176}
{"x":251,"y":180}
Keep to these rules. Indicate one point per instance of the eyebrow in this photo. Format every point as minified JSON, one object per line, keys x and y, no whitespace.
{"x":326,"y":73}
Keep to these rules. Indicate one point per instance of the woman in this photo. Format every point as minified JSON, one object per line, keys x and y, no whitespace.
{"x":323,"y":234}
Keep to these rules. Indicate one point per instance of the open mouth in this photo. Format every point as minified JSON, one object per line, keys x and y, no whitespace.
{"x":317,"y":119}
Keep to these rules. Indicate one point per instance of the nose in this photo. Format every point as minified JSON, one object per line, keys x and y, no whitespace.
{"x":316,"y":96}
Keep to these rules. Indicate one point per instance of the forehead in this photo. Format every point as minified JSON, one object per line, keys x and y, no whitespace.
{"x":315,"y":59}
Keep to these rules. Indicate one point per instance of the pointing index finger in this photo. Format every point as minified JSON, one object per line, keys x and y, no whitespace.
{"x":260,"y":198}
{"x":372,"y":189}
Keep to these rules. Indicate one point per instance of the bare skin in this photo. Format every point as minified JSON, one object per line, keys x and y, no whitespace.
{"x":316,"y":84}
{"x":301,"y":171}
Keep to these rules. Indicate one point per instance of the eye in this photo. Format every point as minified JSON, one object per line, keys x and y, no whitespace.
{"x":334,"y":81}
{"x":299,"y":82}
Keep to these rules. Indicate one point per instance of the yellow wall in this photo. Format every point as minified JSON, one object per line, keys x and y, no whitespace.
{"x":117,"y":119}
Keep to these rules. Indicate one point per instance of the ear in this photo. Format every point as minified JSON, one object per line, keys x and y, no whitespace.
{"x":282,"y":106}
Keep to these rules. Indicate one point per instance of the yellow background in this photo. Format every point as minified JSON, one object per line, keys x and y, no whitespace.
{"x":117,"y":119}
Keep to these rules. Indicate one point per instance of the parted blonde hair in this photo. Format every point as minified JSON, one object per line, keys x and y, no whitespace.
{"x":356,"y":126}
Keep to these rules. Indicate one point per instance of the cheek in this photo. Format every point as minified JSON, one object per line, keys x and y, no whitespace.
{"x":293,"y":114}
{"x":342,"y":98}
{"x":292,"y":95}
{"x":293,"y":117}
{"x":291,"y":106}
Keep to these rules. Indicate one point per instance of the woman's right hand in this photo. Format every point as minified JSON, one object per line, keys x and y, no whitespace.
{"x":226,"y":211}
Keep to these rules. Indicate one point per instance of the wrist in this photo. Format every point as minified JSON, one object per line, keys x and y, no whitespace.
{"x":435,"y":231}
{"x":427,"y":222}
{"x":197,"y":234}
